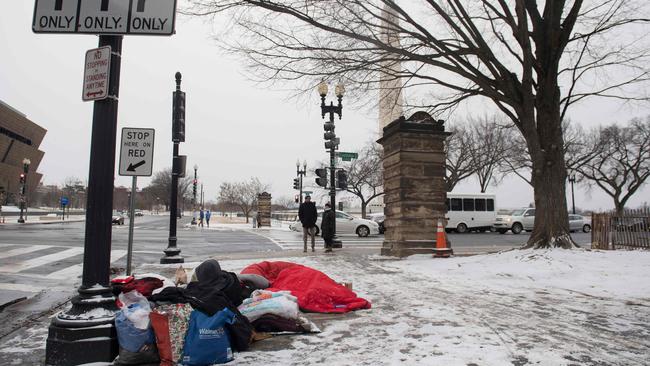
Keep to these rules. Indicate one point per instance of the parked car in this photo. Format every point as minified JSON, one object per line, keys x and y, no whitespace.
{"x":579,"y":222}
{"x":138,"y":213}
{"x":117,"y":219}
{"x":517,"y":221}
{"x":379,"y":219}
{"x":345,"y":224}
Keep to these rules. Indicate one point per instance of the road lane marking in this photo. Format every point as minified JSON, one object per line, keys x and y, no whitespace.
{"x":39,"y":261}
{"x":76,"y":270}
{"x":25,"y":250}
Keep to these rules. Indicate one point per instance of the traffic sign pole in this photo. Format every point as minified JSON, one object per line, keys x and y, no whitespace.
{"x":89,"y":323}
{"x":129,"y":255}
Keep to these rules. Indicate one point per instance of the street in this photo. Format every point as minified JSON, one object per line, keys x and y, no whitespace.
{"x":38,"y":257}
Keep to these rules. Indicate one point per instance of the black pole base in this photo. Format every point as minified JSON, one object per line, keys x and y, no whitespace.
{"x":21,"y":221}
{"x":86,"y":332}
{"x":172,"y":255}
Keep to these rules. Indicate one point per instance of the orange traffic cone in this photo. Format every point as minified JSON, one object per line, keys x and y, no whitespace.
{"x":441,"y":250}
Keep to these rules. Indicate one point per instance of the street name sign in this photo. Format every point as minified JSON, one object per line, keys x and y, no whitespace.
{"x":97,"y":69}
{"x":64,"y":201}
{"x":144,"y":17}
{"x":347,"y":156}
{"x":136,"y":152}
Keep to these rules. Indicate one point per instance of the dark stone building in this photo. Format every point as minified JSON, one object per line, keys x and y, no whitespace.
{"x":20,"y":139}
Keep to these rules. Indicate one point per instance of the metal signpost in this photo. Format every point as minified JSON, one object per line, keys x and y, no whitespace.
{"x":75,"y":331}
{"x":136,"y":160}
{"x":64,"y":202}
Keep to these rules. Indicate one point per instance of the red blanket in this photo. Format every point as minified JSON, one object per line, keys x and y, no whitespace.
{"x":316,"y":292}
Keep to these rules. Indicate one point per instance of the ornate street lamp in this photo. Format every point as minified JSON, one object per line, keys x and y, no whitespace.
{"x":23,"y":185}
{"x":572,"y":180}
{"x":332,"y":142}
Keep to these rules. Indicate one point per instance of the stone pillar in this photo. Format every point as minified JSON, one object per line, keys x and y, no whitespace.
{"x":414,"y":185}
{"x":264,"y":209}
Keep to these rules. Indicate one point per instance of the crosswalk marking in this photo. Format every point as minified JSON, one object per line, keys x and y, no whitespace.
{"x":25,"y":250}
{"x":75,"y":271}
{"x":39,"y":261}
{"x":20,"y":287}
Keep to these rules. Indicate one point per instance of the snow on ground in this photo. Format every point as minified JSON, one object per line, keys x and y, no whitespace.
{"x":543,"y":307}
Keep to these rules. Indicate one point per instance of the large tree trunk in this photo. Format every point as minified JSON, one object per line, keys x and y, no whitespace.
{"x":551,"y":229}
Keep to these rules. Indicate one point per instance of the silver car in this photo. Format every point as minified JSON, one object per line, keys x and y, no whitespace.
{"x":345,"y":224}
{"x":578,"y":223}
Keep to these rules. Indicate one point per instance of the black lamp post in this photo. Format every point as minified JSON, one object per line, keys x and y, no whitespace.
{"x":23,"y":185}
{"x":300,"y":174}
{"x":332,"y":142}
{"x":196,"y":167}
{"x":572,"y":180}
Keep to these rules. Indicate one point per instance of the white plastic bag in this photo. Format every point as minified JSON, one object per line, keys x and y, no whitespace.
{"x":283,"y":305}
{"x":136,"y":308}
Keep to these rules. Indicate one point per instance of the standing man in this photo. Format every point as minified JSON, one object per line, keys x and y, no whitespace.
{"x":201,"y":216}
{"x":308,"y":216}
{"x":208,"y":214}
{"x":327,"y":227}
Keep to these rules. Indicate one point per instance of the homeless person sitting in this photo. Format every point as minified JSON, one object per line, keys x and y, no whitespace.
{"x":211,"y":290}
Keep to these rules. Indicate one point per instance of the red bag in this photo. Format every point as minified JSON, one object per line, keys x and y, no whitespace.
{"x":170,"y":323}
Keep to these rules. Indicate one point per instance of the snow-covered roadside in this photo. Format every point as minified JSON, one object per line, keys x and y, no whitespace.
{"x":555,"y":308}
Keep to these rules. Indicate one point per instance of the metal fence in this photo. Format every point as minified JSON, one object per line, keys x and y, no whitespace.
{"x":629,"y":230}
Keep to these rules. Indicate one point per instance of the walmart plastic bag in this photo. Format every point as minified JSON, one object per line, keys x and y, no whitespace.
{"x":207,"y":341}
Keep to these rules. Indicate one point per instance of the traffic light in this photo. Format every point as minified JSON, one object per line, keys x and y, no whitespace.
{"x":342,"y":179}
{"x":322,"y":177}
{"x":297,"y":198}
{"x":296,"y":183}
{"x":22,"y":177}
{"x":332,"y":144}
{"x":178,"y":117}
{"x":331,"y":141}
{"x":194,"y":185}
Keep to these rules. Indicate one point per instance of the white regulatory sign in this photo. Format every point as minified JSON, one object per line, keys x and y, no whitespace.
{"x":136,"y":152}
{"x":96,"y":74}
{"x":145,"y":17}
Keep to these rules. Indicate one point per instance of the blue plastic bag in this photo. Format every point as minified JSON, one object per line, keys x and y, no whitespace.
{"x":207,"y":341}
{"x":129,"y":337}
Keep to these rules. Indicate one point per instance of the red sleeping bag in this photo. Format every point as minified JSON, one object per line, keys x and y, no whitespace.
{"x":316,"y":292}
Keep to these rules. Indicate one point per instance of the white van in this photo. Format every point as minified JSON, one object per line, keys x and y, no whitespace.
{"x":470,"y":212}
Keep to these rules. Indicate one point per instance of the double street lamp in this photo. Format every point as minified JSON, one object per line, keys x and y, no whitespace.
{"x":23,"y":185}
{"x":300,"y":174}
{"x":331,"y":141}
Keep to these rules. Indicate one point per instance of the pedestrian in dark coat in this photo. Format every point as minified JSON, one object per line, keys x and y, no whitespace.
{"x":308,"y":216}
{"x":327,"y":227}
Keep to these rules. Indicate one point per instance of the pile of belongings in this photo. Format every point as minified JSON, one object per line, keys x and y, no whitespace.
{"x":218,"y":312}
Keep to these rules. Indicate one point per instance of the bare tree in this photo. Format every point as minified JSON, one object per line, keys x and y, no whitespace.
{"x":74,"y":189}
{"x":622,"y":165}
{"x":488,"y":148}
{"x":365,"y":178}
{"x":531,"y":60}
{"x":242,"y":195}
{"x":160,"y":188}
{"x":458,"y":153}
{"x":284,"y":203}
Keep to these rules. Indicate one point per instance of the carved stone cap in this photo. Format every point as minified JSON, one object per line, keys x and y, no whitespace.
{"x":419,"y":122}
{"x":264,"y":195}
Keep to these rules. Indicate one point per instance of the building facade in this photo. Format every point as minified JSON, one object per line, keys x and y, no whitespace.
{"x":20,"y":139}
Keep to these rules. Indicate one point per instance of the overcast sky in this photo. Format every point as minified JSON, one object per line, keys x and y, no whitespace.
{"x":235,"y":128}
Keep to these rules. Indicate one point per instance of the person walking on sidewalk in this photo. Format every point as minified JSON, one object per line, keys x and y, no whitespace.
{"x":201,"y":216}
{"x":308,"y":215}
{"x":327,"y":227}
{"x":208,"y":214}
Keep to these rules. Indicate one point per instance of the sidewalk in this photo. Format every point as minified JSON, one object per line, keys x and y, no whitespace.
{"x":39,"y":220}
{"x":517,"y":307}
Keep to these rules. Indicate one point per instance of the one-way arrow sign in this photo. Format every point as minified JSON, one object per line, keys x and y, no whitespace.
{"x":136,"y":152}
